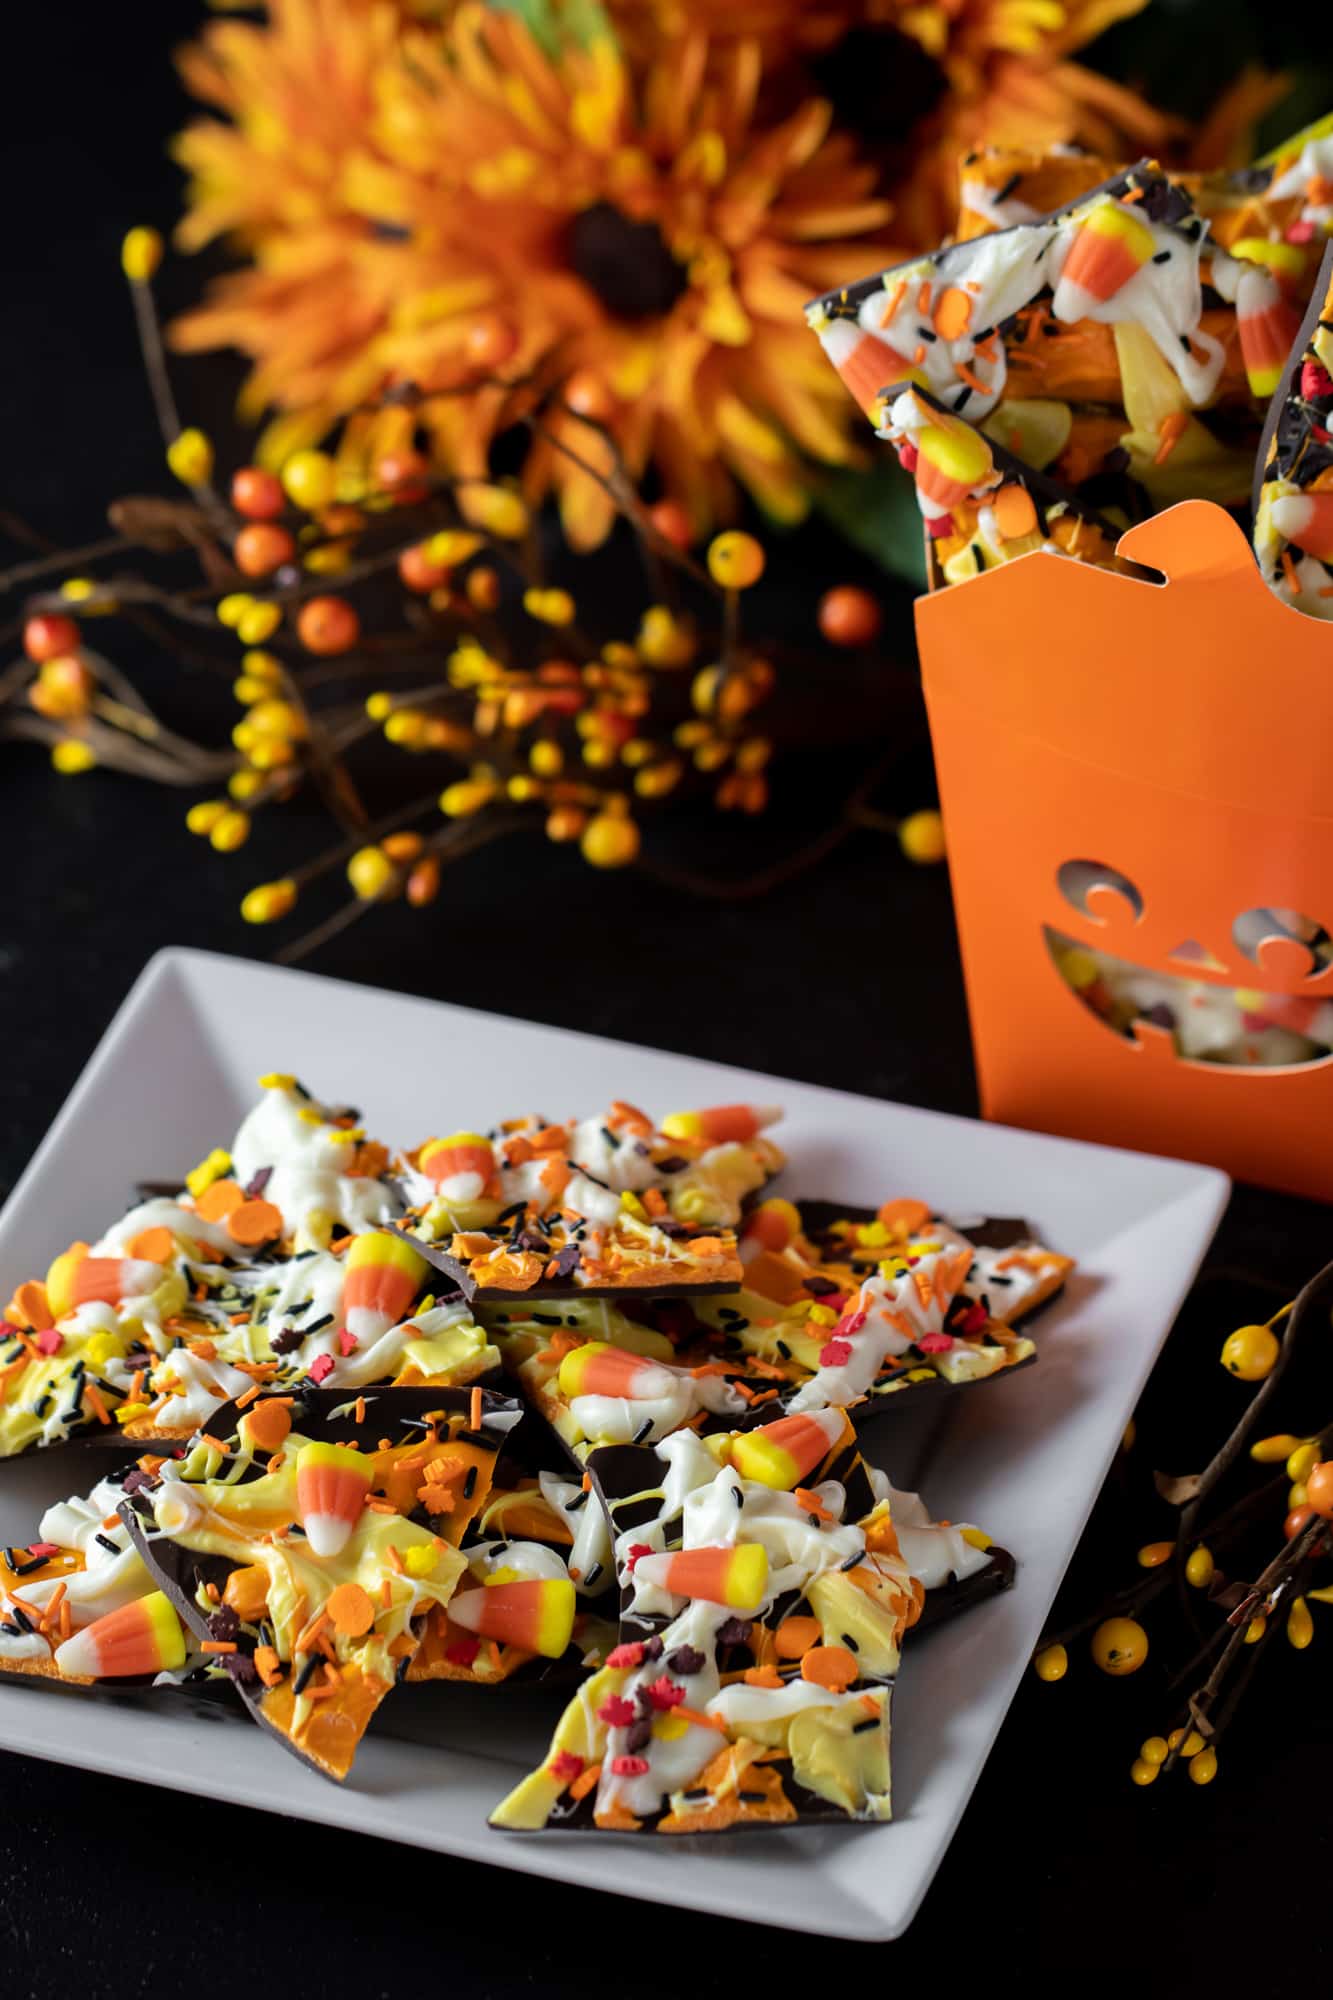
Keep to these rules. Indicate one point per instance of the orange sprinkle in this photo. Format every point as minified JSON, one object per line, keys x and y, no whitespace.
{"x":111,"y":1520}
{"x":213,"y":1443}
{"x":585,"y":1781}
{"x":218,"y":1200}
{"x":831,"y":1667}
{"x":811,"y":1502}
{"x":953,"y":314}
{"x":359,"y":1410}
{"x":474,"y":1411}
{"x":351,"y":1609}
{"x":136,"y":1385}
{"x":66,"y":1621}
{"x":395,"y":1560}
{"x":919,"y":356}
{"x":267,"y":1665}
{"x":212,"y":1593}
{"x":1169,"y":433}
{"x":99,"y":1407}
{"x":386,"y":1594}
{"x":154,"y":1246}
{"x":381,"y":1507}
{"x":205,"y":1349}
{"x":923,"y":296}
{"x":218,"y":1646}
{"x":970,"y":376}
{"x":248,"y":1396}
{"x":699,"y":1718}
{"x":254,"y":1222}
{"x":1289,"y":570}
{"x":306,"y":1640}
{"x":893,"y":302}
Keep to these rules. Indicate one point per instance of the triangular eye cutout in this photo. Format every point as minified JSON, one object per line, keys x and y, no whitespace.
{"x":1190,"y":952}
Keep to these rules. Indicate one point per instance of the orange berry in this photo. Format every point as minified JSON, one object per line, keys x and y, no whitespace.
{"x":257,"y":494}
{"x":262,"y":547}
{"x":405,"y":474}
{"x":419,"y":572}
{"x":1298,"y":1518}
{"x":1319,"y":1488}
{"x":489,"y":342}
{"x":672,"y":523}
{"x":735,"y":560}
{"x":849,"y":616}
{"x":588,"y":396}
{"x":327,"y":625}
{"x":483,"y":589}
{"x":423,"y":884}
{"x":48,"y":635}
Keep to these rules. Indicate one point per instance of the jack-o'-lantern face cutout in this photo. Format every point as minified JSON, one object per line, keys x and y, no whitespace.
{"x":1210,"y":1010}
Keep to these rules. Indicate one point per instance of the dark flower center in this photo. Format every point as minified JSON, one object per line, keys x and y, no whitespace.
{"x":625,"y":263}
{"x":857,"y":71}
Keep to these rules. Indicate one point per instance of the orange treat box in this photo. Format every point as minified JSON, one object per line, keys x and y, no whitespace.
{"x":1170,"y":738}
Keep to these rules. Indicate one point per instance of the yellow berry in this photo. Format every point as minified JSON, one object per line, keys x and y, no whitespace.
{"x":202,"y":818}
{"x":1249,"y":1352}
{"x":244,"y":784}
{"x":1203,"y":1767}
{"x":1080,"y":968}
{"x":229,"y":831}
{"x":269,"y":901}
{"x":231,"y":609}
{"x":921,"y":837}
{"x":1142,"y":1772}
{"x":1199,"y":1567}
{"x":1153,"y":1554}
{"x":379,"y":705}
{"x":610,"y":840}
{"x":654,"y":781}
{"x":451,"y":547}
{"x":371,"y":874}
{"x":71,"y":758}
{"x":1256,"y":1628}
{"x":269,"y":753}
{"x":257,"y":623}
{"x":522,"y":787}
{"x":547,"y":759}
{"x":497,"y":509}
{"x":1272,"y":1450}
{"x":272,"y":717}
{"x":469,"y":795}
{"x":262,"y":666}
{"x":1300,"y":1625}
{"x":549,"y":607}
{"x":190,"y":457}
{"x":407,"y":727}
{"x":1154,"y":1750}
{"x":1297,"y":1495}
{"x":735,"y":560}
{"x":310,"y":480}
{"x":1302,"y":1462}
{"x":1119,"y":1646}
{"x":1051,"y":1663}
{"x":140,"y":254}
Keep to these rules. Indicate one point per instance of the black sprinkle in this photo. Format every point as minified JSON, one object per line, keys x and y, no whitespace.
{"x":306,"y":1674}
{"x":593,"y":1574}
{"x":107,"y":1543}
{"x":696,"y":1792}
{"x":857,"y":1556}
{"x":314,"y":1325}
{"x":850,"y":1643}
{"x":546,"y":1319}
{"x":23,"y":1619}
{"x":751,"y":1798}
{"x":644,"y":1428}
{"x":1003,"y":192}
{"x":470,"y":1482}
{"x":860,"y":1728}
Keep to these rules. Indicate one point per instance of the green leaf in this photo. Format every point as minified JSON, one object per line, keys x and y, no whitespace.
{"x":556,"y":24}
{"x":877,"y":512}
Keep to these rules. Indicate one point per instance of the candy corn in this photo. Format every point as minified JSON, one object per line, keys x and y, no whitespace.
{"x":76,"y":1279}
{"x":723,"y":1123}
{"x":953,"y":462}
{"x":735,"y":1577}
{"x":331,"y":1487}
{"x":784,"y":1453}
{"x":536,"y":1614}
{"x":1268,"y":327}
{"x":141,"y":1638}
{"x":1111,"y":245}
{"x":460,"y":1166}
{"x":384,"y":1275}
{"x":770,"y":1226}
{"x":1306,"y":521}
{"x":599,"y":1369}
{"x":866,"y":364}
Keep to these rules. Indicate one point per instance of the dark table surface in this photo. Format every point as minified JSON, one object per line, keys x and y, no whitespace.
{"x":1059,"y":1863}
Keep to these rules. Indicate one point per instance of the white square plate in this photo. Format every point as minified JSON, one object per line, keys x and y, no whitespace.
{"x":173,"y":1075}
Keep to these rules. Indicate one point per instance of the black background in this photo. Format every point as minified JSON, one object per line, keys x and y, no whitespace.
{"x":848,"y":976}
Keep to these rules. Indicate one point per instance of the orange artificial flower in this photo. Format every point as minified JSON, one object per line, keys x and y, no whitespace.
{"x":463,"y":209}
